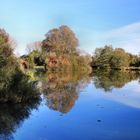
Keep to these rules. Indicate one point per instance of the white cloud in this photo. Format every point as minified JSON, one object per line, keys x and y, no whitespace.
{"x":127,"y":37}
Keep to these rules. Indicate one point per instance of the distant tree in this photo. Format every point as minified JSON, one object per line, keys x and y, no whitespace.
{"x":36,"y":46}
{"x":107,"y":57}
{"x":60,"y":39}
{"x":59,"y":51}
{"x":34,"y":54}
{"x":120,"y":58}
{"x":134,"y":60}
{"x":102,"y":56}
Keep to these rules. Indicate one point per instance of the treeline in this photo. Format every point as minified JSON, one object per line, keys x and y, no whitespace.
{"x":14,"y":83}
{"x":58,"y":51}
{"x":117,"y":58}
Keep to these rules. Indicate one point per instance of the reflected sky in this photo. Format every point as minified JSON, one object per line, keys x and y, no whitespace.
{"x":79,"y":110}
{"x":94,"y":116}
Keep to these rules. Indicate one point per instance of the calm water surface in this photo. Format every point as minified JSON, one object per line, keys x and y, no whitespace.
{"x":104,"y":106}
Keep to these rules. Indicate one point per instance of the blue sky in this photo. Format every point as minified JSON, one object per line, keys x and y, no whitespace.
{"x":95,"y":22}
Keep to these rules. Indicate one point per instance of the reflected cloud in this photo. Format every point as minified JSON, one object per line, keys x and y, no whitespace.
{"x":121,"y":86}
{"x":126,"y":97}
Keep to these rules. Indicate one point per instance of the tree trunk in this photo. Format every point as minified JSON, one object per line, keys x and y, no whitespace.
{"x":45,"y":66}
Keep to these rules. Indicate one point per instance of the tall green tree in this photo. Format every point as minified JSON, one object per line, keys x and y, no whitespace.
{"x":107,"y":57}
{"x":102,"y":56}
{"x":120,"y":58}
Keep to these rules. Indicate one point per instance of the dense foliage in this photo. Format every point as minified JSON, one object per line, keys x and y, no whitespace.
{"x":59,"y":51}
{"x":67,"y":75}
{"x":14,"y":84}
{"x":117,"y":58}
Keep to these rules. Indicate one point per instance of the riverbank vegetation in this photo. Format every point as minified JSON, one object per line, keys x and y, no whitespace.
{"x":118,"y":58}
{"x":56,"y":69}
{"x":14,"y":83}
{"x":58,"y":52}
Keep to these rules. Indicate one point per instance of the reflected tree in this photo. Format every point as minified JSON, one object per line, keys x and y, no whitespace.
{"x":14,"y":109}
{"x":12,"y":116}
{"x":109,"y":79}
{"x":17,"y":96}
{"x":62,"y":90}
{"x":17,"y":99}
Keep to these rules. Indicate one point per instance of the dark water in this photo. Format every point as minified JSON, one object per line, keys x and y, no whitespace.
{"x":102,"y":106}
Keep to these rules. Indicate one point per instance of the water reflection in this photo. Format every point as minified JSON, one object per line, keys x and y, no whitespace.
{"x":17,"y":100}
{"x":12,"y":115}
{"x":109,"y":79}
{"x":20,"y":97}
{"x":61,"y":90}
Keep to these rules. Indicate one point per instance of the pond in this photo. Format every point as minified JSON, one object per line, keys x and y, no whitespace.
{"x":104,"y":105}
